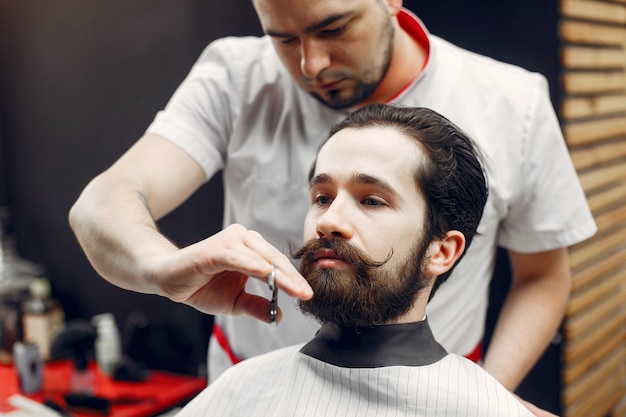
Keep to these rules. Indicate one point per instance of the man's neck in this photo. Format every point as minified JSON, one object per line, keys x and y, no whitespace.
{"x":407,"y":61}
{"x":410,"y":344}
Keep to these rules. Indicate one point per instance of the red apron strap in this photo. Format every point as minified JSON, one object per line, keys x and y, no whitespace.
{"x":476,"y":354}
{"x":223,"y":342}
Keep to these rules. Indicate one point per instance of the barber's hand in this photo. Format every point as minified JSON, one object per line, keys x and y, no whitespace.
{"x":536,"y":410}
{"x":211,"y":275}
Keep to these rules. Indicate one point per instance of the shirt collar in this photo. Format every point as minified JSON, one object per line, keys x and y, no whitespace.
{"x":417,"y":30}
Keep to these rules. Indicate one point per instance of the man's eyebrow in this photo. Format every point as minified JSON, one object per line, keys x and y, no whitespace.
{"x":358,"y":178}
{"x":361,"y":178}
{"x":311,"y":28}
{"x":319,"y":179}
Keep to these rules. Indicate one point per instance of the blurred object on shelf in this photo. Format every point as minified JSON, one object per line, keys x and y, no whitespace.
{"x":16,"y":275}
{"x":42,"y":316}
{"x":29,"y":366}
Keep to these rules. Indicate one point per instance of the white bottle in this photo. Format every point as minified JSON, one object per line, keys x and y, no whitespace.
{"x":108,"y":346}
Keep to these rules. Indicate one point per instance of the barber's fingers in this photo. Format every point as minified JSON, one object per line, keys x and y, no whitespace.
{"x":256,"y":307}
{"x":238,"y":249}
{"x":287,"y":276}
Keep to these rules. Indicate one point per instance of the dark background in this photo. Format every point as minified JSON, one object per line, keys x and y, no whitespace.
{"x":79,"y":83}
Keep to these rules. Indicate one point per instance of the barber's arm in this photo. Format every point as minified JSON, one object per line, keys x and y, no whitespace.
{"x":114,"y":221}
{"x":531,"y":314}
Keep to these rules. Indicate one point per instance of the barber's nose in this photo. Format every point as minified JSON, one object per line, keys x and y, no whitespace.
{"x":313,"y":58}
{"x":335,"y":222}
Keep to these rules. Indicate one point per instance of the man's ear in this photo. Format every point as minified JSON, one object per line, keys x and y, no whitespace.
{"x":443,"y":253}
{"x":394,"y":6}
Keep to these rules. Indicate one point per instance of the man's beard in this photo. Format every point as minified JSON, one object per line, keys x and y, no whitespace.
{"x":363,"y":294}
{"x":362,"y":90}
{"x":358,"y":94}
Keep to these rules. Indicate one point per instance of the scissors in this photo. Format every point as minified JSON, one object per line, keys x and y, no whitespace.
{"x":271,"y":281}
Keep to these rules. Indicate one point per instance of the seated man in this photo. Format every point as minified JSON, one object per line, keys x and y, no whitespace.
{"x":396,"y":197}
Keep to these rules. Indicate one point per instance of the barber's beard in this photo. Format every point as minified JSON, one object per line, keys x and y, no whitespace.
{"x":362,"y":90}
{"x":367,"y":293}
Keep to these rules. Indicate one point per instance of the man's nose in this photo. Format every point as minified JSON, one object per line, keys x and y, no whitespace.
{"x":335,"y":222}
{"x":314,"y":58}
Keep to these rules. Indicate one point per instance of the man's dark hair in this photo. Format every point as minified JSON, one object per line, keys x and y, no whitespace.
{"x":450,"y":178}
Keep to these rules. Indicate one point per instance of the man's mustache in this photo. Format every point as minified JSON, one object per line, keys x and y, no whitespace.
{"x":343,"y":251}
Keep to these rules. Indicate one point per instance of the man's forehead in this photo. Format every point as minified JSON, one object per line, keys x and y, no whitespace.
{"x":301,"y":15}
{"x":376,"y":151}
{"x":375,"y":141}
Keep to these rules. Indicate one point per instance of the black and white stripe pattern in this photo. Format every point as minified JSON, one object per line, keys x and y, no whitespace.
{"x":290,"y":383}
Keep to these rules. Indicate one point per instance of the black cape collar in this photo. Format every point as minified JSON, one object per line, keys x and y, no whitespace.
{"x":410,"y":344}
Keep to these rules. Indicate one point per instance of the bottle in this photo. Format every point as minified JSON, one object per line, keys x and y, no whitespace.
{"x":29,"y":367}
{"x":16,"y":275}
{"x":42,"y":317}
{"x":108,"y":346}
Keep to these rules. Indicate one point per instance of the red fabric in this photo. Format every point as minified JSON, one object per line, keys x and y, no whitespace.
{"x":223,"y":342}
{"x":409,"y":22}
{"x":477,"y":354}
{"x":159,"y":392}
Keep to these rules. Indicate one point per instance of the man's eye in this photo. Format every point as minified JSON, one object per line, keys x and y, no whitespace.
{"x":334,"y":32}
{"x":287,"y":41}
{"x":322,"y":200}
{"x":370,"y":201}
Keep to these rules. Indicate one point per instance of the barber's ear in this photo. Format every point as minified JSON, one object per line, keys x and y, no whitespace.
{"x":394,"y":7}
{"x":443,"y":253}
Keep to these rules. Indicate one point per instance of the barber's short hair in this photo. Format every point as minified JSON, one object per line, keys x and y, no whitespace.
{"x":451,"y":178}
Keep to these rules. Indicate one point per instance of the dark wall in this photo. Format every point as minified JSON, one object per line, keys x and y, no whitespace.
{"x":80,"y":81}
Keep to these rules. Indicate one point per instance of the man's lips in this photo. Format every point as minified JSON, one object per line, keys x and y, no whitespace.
{"x":328,"y":85}
{"x":324,"y":254}
{"x":327,"y":258}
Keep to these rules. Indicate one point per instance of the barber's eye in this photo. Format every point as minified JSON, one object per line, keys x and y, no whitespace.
{"x":335,"y":31}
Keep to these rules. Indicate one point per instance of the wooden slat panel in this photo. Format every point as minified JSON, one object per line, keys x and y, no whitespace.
{"x":594,"y":111}
{"x":602,"y":177}
{"x":591,"y":34}
{"x":589,"y":275}
{"x":607,"y":198}
{"x":593,"y":82}
{"x":577,"y":349}
{"x":581,"y":133}
{"x":609,"y":369}
{"x":573,"y":371}
{"x":578,"y":57}
{"x":599,"y":154}
{"x":582,"y":300}
{"x":600,"y":401}
{"x":612,"y":219}
{"x":600,"y":247}
{"x":594,"y":106}
{"x":582,"y":323}
{"x":604,"y":380}
{"x":620,"y":410}
{"x":594,"y":10}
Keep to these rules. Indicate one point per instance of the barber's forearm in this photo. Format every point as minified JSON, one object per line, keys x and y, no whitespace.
{"x":117,"y":233}
{"x":526,"y":325}
{"x":530,"y":315}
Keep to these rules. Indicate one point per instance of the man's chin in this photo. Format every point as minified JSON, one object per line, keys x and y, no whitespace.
{"x":335,"y":100}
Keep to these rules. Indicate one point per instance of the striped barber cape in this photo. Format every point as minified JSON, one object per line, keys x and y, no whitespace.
{"x":394,"y":370}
